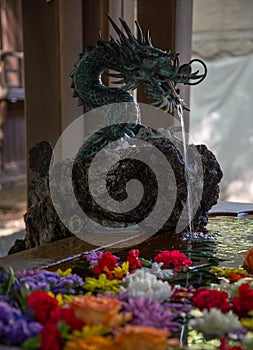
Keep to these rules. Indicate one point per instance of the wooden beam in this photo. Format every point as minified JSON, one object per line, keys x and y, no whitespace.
{"x":160,"y":19}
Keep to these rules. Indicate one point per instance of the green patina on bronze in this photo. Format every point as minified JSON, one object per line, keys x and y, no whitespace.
{"x":136,"y":63}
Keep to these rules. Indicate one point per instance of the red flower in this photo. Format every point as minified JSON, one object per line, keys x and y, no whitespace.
{"x":243,"y":303}
{"x":234,"y":277}
{"x":106,"y":260}
{"x":174,"y":258}
{"x":225,"y":346}
{"x":67,"y":315}
{"x":42,"y":305}
{"x":207,"y":299}
{"x":50,"y":338}
{"x":133,"y":259}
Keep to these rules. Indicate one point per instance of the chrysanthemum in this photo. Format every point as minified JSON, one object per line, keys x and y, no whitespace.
{"x":215,"y":323}
{"x":143,"y":283}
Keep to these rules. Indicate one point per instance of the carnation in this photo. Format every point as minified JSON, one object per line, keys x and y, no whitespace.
{"x":174,"y":258}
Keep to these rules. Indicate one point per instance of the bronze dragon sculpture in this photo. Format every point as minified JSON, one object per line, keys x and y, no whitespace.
{"x":135,"y":62}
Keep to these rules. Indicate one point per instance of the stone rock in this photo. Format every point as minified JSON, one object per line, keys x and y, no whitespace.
{"x":43,"y":224}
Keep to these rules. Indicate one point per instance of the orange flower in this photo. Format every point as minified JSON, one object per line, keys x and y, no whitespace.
{"x":93,"y":311}
{"x":90,"y":343}
{"x":248,"y":261}
{"x":143,"y":338}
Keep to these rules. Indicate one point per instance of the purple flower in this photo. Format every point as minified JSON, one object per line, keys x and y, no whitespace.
{"x":93,"y":256}
{"x":15,"y":327}
{"x":146,"y":312}
{"x":7,"y":312}
{"x":18,"y":331}
{"x":49,"y":281}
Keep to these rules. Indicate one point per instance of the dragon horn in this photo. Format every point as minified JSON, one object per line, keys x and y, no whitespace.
{"x":127,"y":30}
{"x":148,"y":39}
{"x":116,"y":28}
{"x":140,"y":37}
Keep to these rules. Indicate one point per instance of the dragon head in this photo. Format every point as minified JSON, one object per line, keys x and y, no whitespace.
{"x":137,"y":63}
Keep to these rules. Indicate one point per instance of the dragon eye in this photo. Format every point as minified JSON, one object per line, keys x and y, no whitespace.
{"x":149,"y":61}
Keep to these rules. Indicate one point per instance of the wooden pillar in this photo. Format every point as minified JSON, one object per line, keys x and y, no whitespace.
{"x":52,"y":32}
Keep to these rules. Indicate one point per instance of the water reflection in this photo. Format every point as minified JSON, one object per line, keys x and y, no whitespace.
{"x":233,"y":236}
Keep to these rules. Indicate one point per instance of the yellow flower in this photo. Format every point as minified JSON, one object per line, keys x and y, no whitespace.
{"x":63,"y":299}
{"x":120,"y":272}
{"x":226,"y":271}
{"x":94,"y":311}
{"x":65,"y":273}
{"x":101,"y":284}
{"x":90,"y":331}
{"x":247,"y":322}
{"x":92,"y":343}
{"x":143,"y":338}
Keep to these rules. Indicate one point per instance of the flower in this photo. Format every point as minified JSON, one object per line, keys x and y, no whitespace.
{"x":90,"y":331}
{"x":93,"y":256}
{"x":50,"y":338}
{"x":94,"y":310}
{"x":68,"y":316}
{"x":90,"y":343}
{"x":101,"y":284}
{"x":174,"y":258}
{"x":224,"y":345}
{"x":207,"y":299}
{"x":142,"y":338}
{"x":248,"y":261}
{"x":146,"y":312}
{"x":42,"y":305}
{"x":243,"y":303}
{"x":215,"y":323}
{"x":49,"y":281}
{"x":156,"y":270}
{"x":143,"y":283}
{"x":106,"y":260}
{"x":133,"y":259}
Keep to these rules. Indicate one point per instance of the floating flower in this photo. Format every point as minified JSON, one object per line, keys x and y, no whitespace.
{"x":101,"y":284}
{"x":207,"y":299}
{"x":215,"y":323}
{"x":42,"y":305}
{"x":106,"y":260}
{"x":15,"y":327}
{"x":133,"y":259}
{"x":93,"y":256}
{"x":243,"y":303}
{"x":143,"y":283}
{"x":231,"y":273}
{"x":146,"y":312}
{"x":156,"y":270}
{"x":50,"y":338}
{"x":248,"y":261}
{"x":225,"y":346}
{"x":90,"y":343}
{"x":173,"y":258}
{"x":94,"y":310}
{"x":143,"y":338}
{"x":90,"y":331}
{"x":49,"y":281}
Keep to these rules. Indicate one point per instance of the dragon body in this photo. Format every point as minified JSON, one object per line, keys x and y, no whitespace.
{"x":136,"y":63}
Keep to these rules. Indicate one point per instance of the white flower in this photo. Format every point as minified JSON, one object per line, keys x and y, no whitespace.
{"x":216,"y":323}
{"x":143,"y":283}
{"x":158,"y":272}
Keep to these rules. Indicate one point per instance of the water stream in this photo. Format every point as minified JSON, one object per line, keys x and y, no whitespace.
{"x":188,"y":179}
